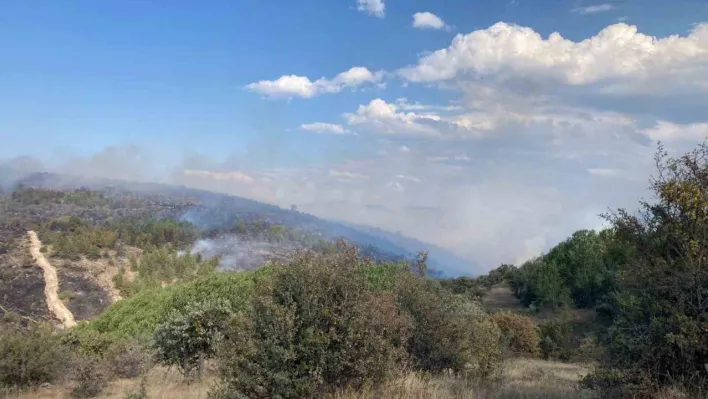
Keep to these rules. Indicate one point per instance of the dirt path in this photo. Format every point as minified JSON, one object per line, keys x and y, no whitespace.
{"x":51,"y":283}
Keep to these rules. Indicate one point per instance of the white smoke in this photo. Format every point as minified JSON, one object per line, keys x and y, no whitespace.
{"x":237,"y":254}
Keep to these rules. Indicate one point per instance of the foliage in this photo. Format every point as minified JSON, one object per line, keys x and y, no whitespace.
{"x":659,"y":335}
{"x":161,"y":266}
{"x":189,"y":336}
{"x":146,"y":233}
{"x":138,"y":316}
{"x":128,"y":358}
{"x":554,"y":338}
{"x":579,"y":271}
{"x":29,"y":356}
{"x":90,"y":374}
{"x":519,"y":332}
{"x":450,"y":332}
{"x":314,"y":325}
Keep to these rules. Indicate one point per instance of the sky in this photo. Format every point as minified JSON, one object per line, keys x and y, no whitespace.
{"x":493,"y":129}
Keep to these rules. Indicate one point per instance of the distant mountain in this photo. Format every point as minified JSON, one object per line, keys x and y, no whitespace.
{"x":214,"y":210}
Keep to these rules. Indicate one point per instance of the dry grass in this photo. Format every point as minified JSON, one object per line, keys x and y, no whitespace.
{"x":521,"y":379}
{"x":501,"y":298}
{"x":161,"y":384}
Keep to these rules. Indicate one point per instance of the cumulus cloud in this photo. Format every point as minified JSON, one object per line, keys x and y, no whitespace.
{"x":669,"y":131}
{"x":322,"y":127}
{"x":376,"y":8}
{"x":594,"y":9}
{"x":288,"y":86}
{"x":506,"y":52}
{"x":379,"y":116}
{"x":427,"y":20}
{"x":386,"y":118}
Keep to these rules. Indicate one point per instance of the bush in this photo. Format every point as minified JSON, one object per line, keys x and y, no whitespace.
{"x":91,"y":376}
{"x":67,"y":295}
{"x":449,"y":331}
{"x":29,"y":356}
{"x":519,"y":332}
{"x":188,"y":337}
{"x":555,"y":340}
{"x":659,"y":312}
{"x":128,"y":358}
{"x":315,"y":325}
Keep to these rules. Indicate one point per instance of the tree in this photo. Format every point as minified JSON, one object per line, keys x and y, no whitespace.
{"x":188,"y":337}
{"x":659,"y":332}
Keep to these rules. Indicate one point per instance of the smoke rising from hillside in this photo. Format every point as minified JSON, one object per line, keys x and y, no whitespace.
{"x":237,"y":254}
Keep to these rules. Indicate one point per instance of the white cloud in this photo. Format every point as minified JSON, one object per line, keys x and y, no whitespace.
{"x":376,"y":8}
{"x":556,"y":141}
{"x":506,"y":52}
{"x":669,"y":131}
{"x":403,"y":104}
{"x":322,"y":127}
{"x":385,"y":118}
{"x":594,"y":9}
{"x":427,"y":20}
{"x":289,"y":86}
{"x":344,"y":175}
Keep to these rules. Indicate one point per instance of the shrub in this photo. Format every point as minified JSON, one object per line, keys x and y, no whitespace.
{"x":88,"y":342}
{"x":29,"y":356}
{"x":128,"y":358}
{"x":659,"y":312}
{"x":125,"y":358}
{"x":519,"y":332}
{"x":67,"y":295}
{"x":314,"y":325}
{"x":555,"y":340}
{"x":90,"y":374}
{"x":189,"y":336}
{"x":138,"y":316}
{"x":449,"y":332}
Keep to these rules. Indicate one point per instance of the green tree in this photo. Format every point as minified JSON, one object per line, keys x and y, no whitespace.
{"x":189,"y":336}
{"x":659,"y":335}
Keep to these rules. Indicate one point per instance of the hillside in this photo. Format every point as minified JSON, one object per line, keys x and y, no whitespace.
{"x":211,"y":210}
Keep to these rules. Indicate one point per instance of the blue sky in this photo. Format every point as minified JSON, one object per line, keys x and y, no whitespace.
{"x":495,"y":144}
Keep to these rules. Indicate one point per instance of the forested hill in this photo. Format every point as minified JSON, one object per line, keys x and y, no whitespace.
{"x":214,"y":210}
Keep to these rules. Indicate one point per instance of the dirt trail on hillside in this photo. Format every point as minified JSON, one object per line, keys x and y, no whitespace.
{"x":51,"y":283}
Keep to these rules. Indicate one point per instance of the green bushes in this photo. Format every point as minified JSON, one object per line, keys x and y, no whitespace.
{"x":189,"y":336}
{"x":578,"y":272}
{"x":555,"y":340}
{"x":450,"y":332}
{"x":163,"y":265}
{"x":659,"y":332}
{"x":519,"y":332}
{"x":329,"y":321}
{"x":29,"y":356}
{"x":139,"y":316}
{"x":314,"y":325}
